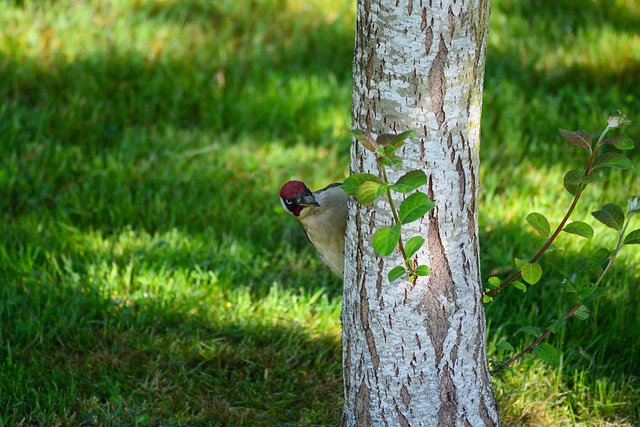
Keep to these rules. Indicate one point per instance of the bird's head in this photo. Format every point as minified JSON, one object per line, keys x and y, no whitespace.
{"x":295,"y":197}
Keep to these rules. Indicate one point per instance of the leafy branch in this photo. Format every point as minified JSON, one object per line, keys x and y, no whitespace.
{"x":367,"y":188}
{"x":575,"y":181}
{"x":611,"y":215}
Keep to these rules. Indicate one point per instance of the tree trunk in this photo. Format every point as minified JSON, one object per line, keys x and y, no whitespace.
{"x":415,"y":355}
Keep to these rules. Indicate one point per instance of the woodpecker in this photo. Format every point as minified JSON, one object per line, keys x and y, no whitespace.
{"x":323,"y":217}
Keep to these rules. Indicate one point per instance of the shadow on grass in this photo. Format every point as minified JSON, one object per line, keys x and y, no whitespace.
{"x":605,"y":342}
{"x":113,"y":361}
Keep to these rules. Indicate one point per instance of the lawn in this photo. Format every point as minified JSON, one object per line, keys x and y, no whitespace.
{"x":148,"y":275}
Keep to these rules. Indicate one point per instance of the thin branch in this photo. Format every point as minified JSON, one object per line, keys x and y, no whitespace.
{"x":395,"y":215}
{"x":573,"y":309}
{"x":560,"y":227}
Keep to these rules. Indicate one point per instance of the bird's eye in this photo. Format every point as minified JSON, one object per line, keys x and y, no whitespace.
{"x":289,"y":202}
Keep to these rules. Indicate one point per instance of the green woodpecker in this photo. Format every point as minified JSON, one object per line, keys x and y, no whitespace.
{"x":323,"y":217}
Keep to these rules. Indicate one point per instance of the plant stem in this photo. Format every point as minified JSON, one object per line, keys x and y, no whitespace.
{"x":558,"y":229}
{"x":573,"y":309}
{"x":545,"y":246}
{"x":395,"y":214}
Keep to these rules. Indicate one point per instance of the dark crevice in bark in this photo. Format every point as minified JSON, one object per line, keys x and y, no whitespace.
{"x":437,"y":82}
{"x":448,"y":402}
{"x":440,"y":284}
{"x":364,"y":320}
{"x":363,"y":406}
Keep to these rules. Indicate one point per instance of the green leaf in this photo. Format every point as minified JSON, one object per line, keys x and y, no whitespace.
{"x":396,"y":273}
{"x":539,"y":223}
{"x":422,"y":270}
{"x":591,"y":293}
{"x":579,"y":228}
{"x":410,"y":181}
{"x":395,"y":140}
{"x":365,"y":138}
{"x":568,"y":287}
{"x":572,"y":181}
{"x":385,"y":239}
{"x":533,"y":330}
{"x":505,"y":346}
{"x":369,"y":191}
{"x":352,"y":184}
{"x":494,"y":282}
{"x":519,"y":285}
{"x":610,"y":215}
{"x":414,"y":207}
{"x":555,"y":325}
{"x":531,"y":273}
{"x":386,"y":151}
{"x":632,"y":238}
{"x":578,"y":138}
{"x":620,"y":142}
{"x":597,"y":259}
{"x":611,"y":160}
{"x":391,"y":161}
{"x":582,"y":313}
{"x":547,"y":353}
{"x":486,"y":299}
{"x":413,"y":245}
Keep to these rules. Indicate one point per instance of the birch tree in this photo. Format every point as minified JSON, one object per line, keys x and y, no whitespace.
{"x":414,"y":354}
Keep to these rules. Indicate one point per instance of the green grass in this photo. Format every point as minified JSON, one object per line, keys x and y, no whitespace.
{"x":147,"y":273}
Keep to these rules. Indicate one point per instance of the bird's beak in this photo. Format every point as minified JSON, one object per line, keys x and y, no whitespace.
{"x":308,"y":200}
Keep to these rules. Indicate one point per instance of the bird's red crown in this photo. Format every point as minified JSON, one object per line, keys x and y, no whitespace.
{"x":291,"y":189}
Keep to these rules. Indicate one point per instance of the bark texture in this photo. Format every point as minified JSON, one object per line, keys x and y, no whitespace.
{"x":416,"y":355}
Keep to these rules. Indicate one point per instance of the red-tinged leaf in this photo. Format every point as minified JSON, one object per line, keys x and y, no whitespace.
{"x":395,"y":140}
{"x":578,"y":138}
{"x":365,"y":138}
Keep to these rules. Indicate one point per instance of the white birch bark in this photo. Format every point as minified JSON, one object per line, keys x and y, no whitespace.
{"x":416,"y":355}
